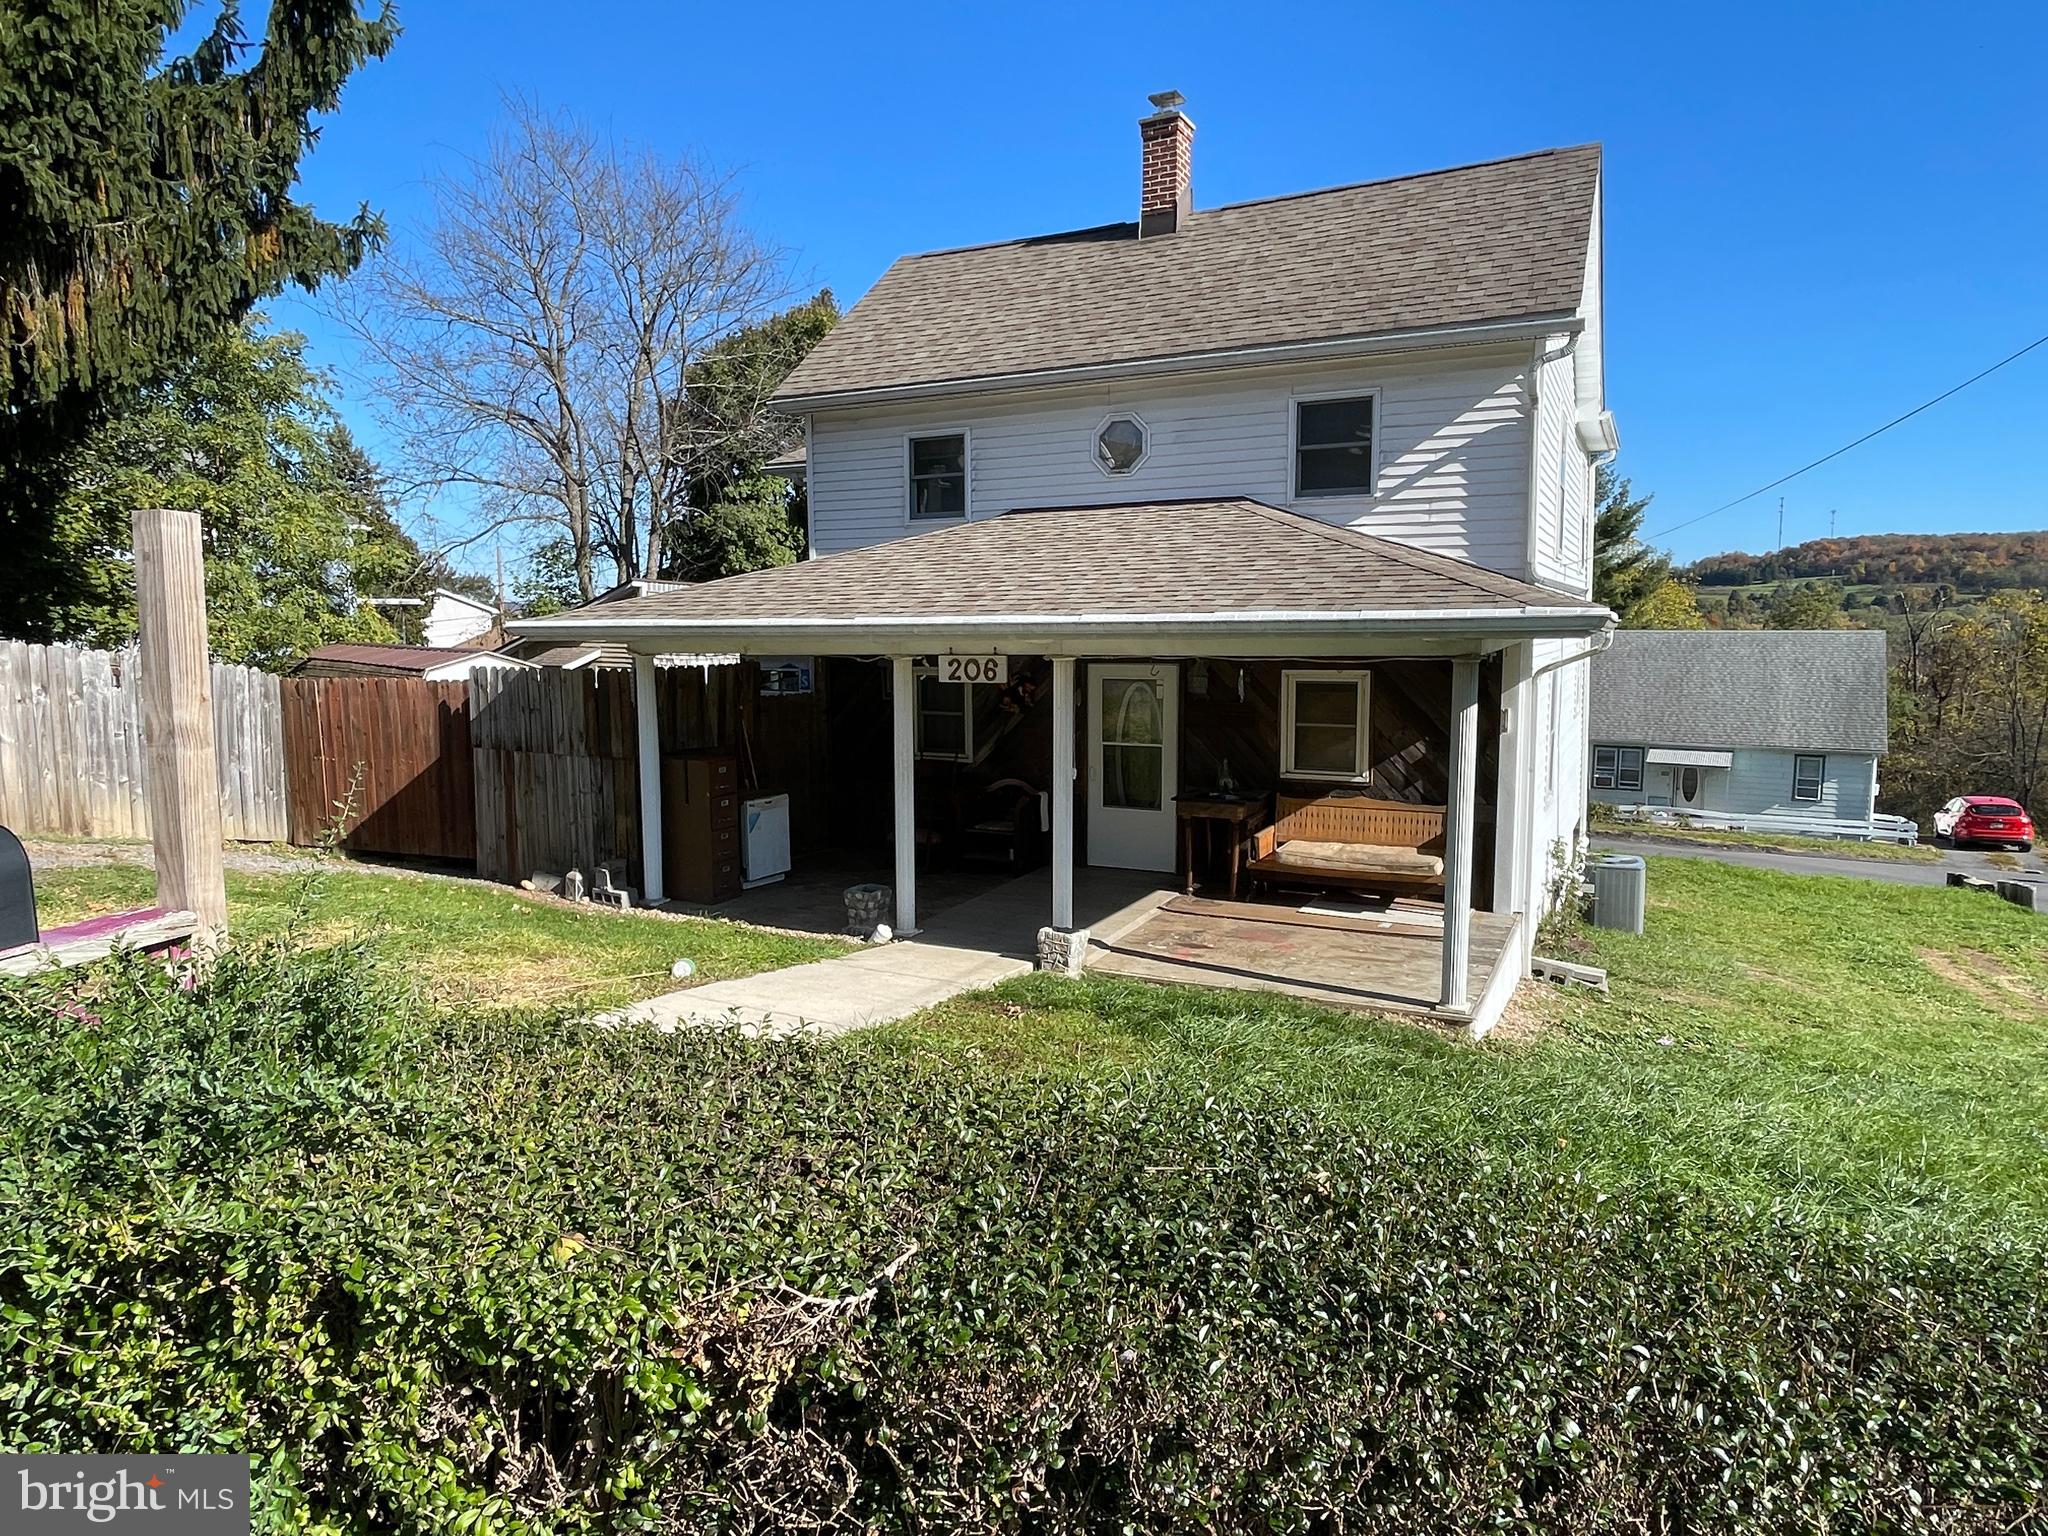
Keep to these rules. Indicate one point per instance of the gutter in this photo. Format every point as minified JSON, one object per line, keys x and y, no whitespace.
{"x":1559,"y":621}
{"x":1536,"y":328}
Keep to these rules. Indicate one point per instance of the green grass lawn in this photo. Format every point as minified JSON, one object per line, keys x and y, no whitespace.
{"x":462,"y":940}
{"x":1855,"y":1049}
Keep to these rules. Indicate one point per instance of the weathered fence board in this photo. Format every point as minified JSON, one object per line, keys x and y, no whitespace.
{"x":391,"y":752}
{"x":71,"y":758}
{"x":557,"y":779}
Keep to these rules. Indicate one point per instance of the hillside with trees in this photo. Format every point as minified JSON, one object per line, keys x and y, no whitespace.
{"x":1973,"y":563}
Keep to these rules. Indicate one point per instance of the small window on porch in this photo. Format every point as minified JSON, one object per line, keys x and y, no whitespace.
{"x":1808,"y":775}
{"x":955,"y":721}
{"x":1617,"y":767}
{"x":1324,"y":725}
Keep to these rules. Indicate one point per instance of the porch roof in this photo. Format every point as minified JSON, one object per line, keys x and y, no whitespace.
{"x":1212,"y":568}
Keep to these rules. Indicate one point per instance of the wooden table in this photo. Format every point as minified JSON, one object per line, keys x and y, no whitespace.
{"x":1238,"y":818}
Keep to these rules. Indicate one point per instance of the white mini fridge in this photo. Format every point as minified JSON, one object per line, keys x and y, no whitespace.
{"x":764,"y":840}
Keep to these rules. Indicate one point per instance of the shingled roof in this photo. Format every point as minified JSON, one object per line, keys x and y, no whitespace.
{"x":1797,"y":690}
{"x":1192,"y":562}
{"x":1497,"y":242}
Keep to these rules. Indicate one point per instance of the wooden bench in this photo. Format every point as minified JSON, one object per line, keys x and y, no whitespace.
{"x":1350,"y":841}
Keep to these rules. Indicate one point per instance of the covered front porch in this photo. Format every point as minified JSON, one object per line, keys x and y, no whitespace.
{"x":1257,"y":667}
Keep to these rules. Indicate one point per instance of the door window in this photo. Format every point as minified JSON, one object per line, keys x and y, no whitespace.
{"x":1689,"y":783}
{"x":1133,"y":744}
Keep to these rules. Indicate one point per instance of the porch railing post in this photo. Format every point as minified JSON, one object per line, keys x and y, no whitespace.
{"x":1463,"y":798}
{"x":647,"y":727}
{"x":1063,"y":792}
{"x":903,"y":681}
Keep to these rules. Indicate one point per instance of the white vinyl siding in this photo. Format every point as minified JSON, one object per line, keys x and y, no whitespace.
{"x":1559,"y":549}
{"x":1453,"y":450}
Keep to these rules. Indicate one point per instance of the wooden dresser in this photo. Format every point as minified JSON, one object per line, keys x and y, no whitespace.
{"x":700,"y":827}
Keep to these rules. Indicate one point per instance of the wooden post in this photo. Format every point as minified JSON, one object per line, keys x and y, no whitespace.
{"x":177,"y":718}
{"x":647,"y":725}
{"x":903,"y":682}
{"x":1063,"y":793}
{"x":1463,"y":806}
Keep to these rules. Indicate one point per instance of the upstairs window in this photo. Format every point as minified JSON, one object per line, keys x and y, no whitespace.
{"x":1120,"y":445}
{"x":1333,"y":447}
{"x":1808,"y":774}
{"x":938,"y":476}
{"x":1617,"y":767}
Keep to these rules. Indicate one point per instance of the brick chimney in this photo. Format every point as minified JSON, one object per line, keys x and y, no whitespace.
{"x":1168,"y":136}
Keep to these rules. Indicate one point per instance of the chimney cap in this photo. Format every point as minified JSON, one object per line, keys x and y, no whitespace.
{"x":1166,"y":101}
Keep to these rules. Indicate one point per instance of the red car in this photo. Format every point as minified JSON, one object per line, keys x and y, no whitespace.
{"x":1985,"y":819}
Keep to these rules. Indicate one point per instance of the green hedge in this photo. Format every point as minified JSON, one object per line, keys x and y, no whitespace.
{"x":487,"y":1274}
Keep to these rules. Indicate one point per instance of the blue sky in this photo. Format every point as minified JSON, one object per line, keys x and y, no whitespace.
{"x":1818,"y":216}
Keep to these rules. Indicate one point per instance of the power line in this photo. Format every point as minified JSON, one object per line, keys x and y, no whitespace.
{"x":1866,"y":437}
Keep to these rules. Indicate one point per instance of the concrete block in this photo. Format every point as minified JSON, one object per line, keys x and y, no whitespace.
{"x":1063,"y":952}
{"x":2022,"y":893}
{"x":1566,"y":973}
{"x":1961,"y":881}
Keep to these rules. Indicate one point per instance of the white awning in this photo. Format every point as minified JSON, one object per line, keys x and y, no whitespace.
{"x":1680,"y":757}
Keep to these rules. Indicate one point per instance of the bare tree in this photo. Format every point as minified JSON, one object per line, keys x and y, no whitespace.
{"x":535,"y":342}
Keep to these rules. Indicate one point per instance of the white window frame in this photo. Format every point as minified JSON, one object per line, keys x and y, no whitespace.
{"x":1095,"y":443}
{"x":1820,"y":777}
{"x":1310,"y":397}
{"x":1618,"y":769}
{"x":969,"y":747}
{"x":1362,"y":743}
{"x":924,"y":434}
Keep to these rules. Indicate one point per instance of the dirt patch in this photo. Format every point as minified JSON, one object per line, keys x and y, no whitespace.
{"x":1989,"y":980}
{"x":1533,"y":1010}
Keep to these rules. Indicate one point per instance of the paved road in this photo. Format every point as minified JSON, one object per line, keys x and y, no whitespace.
{"x":1971,"y":860}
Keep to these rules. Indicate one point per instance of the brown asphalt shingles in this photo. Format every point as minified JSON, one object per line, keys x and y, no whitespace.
{"x":1214,"y":558}
{"x":1500,"y":241}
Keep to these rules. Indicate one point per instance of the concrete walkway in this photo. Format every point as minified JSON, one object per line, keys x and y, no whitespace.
{"x":975,"y":944}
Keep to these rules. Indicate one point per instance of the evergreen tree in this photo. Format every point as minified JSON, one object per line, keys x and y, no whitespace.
{"x":145,"y":208}
{"x":1625,"y":570}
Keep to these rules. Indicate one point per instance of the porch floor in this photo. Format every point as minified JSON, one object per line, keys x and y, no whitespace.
{"x":1374,"y":956}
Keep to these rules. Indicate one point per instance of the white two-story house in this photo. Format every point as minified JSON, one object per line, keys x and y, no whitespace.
{"x":1286,"y":502}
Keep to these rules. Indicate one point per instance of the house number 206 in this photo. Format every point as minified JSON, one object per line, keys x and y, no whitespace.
{"x":975,"y":669}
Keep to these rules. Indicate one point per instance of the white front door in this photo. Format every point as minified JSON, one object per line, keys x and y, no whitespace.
{"x":1688,"y":786}
{"x":1133,"y":763}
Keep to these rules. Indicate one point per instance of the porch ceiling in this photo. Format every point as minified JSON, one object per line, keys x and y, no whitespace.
{"x":1231,"y":576}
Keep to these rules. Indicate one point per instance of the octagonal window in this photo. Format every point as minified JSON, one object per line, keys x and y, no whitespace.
{"x":1120,"y":445}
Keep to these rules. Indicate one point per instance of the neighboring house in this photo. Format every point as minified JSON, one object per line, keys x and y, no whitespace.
{"x":1299,"y":489}
{"x":1773,"y":722}
{"x":575,"y":655}
{"x":435,"y":664}
{"x":453,"y":619}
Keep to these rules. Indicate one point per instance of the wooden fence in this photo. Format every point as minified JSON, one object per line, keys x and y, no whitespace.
{"x":71,"y":758}
{"x":557,"y":771}
{"x":393,"y":751}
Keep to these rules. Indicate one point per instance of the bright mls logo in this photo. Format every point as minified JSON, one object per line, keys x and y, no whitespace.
{"x":168,"y":1495}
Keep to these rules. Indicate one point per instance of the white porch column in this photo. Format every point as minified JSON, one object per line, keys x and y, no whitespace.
{"x":903,"y":679}
{"x":1462,"y":806}
{"x":647,"y":723}
{"x":1063,"y":793}
{"x":1511,"y":824}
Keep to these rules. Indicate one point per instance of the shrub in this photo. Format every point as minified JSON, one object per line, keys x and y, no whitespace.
{"x":522,"y":1274}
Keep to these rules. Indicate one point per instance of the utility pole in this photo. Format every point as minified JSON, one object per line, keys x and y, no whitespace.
{"x":1831,"y":522}
{"x":1781,"y":522}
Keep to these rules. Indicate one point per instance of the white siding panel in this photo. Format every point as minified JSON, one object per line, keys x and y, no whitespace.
{"x":1453,"y":451}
